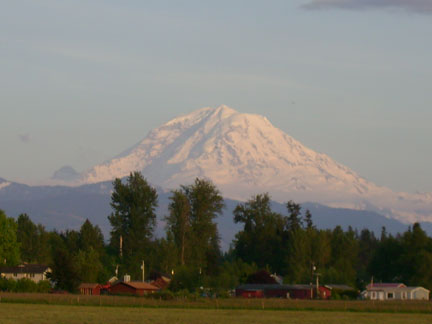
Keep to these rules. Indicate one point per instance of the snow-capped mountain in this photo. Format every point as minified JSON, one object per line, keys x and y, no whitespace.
{"x":244,"y":154}
{"x":4,"y":183}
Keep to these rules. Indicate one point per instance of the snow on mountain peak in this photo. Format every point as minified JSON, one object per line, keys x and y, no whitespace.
{"x":4,"y":184}
{"x":244,"y":154}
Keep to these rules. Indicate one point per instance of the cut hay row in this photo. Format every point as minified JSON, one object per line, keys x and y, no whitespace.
{"x":221,"y":303}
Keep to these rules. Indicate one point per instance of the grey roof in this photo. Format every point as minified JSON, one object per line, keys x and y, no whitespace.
{"x":339,"y":287}
{"x":274,"y":287}
{"x":25,"y":268}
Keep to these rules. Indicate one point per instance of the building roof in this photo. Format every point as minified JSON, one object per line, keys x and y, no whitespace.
{"x":25,"y":268}
{"x":340,"y":287}
{"x":86,"y":285}
{"x":275,"y":287}
{"x":161,"y":282}
{"x":386,"y":285}
{"x":138,"y":285}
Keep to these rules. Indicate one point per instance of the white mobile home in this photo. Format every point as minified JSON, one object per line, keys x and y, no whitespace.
{"x":393,"y":292}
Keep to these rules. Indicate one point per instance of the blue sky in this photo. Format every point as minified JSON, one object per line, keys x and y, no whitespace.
{"x":81,"y":80}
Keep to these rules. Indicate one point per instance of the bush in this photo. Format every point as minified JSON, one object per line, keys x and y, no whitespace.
{"x":163,"y":294}
{"x":185,"y":279}
{"x":24,"y":285}
{"x":44,"y":286}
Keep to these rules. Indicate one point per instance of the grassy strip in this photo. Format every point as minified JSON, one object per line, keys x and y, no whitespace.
{"x":54,"y":314}
{"x":422,"y":307}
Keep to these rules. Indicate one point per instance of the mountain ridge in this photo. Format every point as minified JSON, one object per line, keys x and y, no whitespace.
{"x":66,"y":207}
{"x":244,"y":154}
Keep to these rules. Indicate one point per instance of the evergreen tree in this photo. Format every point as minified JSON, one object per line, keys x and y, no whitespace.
{"x":344,"y":252}
{"x":294,"y":221}
{"x":308,"y":220}
{"x":385,"y":263}
{"x":91,"y":237}
{"x":367,"y":245}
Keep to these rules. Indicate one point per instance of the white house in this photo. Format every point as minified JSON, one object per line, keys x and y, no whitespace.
{"x":395,"y":292}
{"x":34,"y":272}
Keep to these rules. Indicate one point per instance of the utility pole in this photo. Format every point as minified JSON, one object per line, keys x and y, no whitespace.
{"x":143,"y":270}
{"x":121,"y":246}
{"x":317,"y":279}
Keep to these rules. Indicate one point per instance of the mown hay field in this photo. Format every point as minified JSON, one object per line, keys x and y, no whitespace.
{"x":63,"y":314}
{"x":223,"y":303}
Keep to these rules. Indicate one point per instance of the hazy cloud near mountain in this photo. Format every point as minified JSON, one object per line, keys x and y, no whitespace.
{"x":419,"y":6}
{"x":25,"y":138}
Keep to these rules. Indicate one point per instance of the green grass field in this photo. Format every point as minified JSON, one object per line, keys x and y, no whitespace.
{"x":19,"y":308}
{"x":62,"y":314}
{"x":222,"y":303}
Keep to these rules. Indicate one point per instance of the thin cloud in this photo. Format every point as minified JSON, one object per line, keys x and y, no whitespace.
{"x":419,"y":6}
{"x":25,"y":138}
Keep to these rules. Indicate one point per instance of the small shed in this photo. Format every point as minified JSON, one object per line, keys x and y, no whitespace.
{"x":90,"y":289}
{"x":137,"y":288}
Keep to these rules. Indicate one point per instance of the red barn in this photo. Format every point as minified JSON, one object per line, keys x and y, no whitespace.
{"x":251,"y":293}
{"x":90,"y":289}
{"x":137,"y":288}
{"x":282,"y":291}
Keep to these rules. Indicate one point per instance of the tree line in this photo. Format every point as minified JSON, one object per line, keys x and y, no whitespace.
{"x":287,"y":244}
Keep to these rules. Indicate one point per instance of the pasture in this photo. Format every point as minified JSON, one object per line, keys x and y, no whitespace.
{"x":221,"y":303}
{"x":62,"y":314}
{"x":19,"y":308}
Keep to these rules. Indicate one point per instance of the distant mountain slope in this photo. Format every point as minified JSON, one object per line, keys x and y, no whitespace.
{"x":67,"y":208}
{"x":245,"y":154}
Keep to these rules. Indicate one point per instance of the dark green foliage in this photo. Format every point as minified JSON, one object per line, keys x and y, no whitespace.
{"x":231,"y":274}
{"x":261,"y":277}
{"x":186,"y":278}
{"x":308,"y":220}
{"x":261,"y":240}
{"x":164,"y":255}
{"x":24,"y":285}
{"x":179,"y":223}
{"x":65,"y":272}
{"x":289,"y":245}
{"x":91,"y":237}
{"x":191,"y":225}
{"x":133,"y":219}
{"x":28,"y":237}
{"x":294,"y":218}
{"x":344,"y":252}
{"x":9,"y":247}
{"x":33,"y":240}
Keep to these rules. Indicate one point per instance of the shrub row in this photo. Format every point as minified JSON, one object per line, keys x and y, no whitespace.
{"x":24,"y":285}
